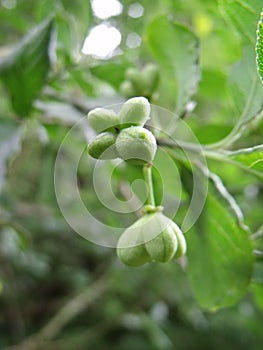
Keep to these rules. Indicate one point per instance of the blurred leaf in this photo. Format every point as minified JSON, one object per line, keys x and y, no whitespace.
{"x":25,"y":69}
{"x":111,"y":72}
{"x":84,"y":81}
{"x":66,"y":33}
{"x":45,"y":9}
{"x":220,"y":255}
{"x":246,"y":89}
{"x":258,"y":273}
{"x":257,"y":290}
{"x":10,"y":140}
{"x":158,"y":338}
{"x":259,"y":47}
{"x":11,"y":24}
{"x":212,"y":86}
{"x":243,"y":15}
{"x":26,"y":167}
{"x":12,"y":242}
{"x":251,"y":157}
{"x":211,"y":132}
{"x":175,"y":48}
{"x":81,"y":10}
{"x":245,"y":92}
{"x":46,"y":193}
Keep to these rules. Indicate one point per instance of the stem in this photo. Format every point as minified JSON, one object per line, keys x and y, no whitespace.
{"x":147,"y":172}
{"x":258,"y":234}
{"x":219,"y":155}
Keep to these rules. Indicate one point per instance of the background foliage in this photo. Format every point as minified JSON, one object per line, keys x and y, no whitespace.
{"x":68,"y":292}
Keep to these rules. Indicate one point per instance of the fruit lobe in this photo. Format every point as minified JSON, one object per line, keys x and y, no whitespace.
{"x":136,"y":145}
{"x":135,"y":111}
{"x":163,"y":247}
{"x":103,"y":146}
{"x":102,"y":119}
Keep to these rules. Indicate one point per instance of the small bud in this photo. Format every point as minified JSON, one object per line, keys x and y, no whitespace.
{"x":102,"y":119}
{"x":136,"y":145}
{"x":103,"y":146}
{"x":135,"y":111}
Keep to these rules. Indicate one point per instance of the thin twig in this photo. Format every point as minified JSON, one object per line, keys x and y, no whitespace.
{"x":258,"y":234}
{"x":258,"y":254}
{"x":86,"y":337}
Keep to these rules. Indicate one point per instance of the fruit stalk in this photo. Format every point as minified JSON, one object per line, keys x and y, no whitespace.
{"x":147,"y":172}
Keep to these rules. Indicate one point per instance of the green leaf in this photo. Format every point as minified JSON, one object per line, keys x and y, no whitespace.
{"x":251,"y":157}
{"x":66,"y":37}
{"x":81,"y":13}
{"x":111,"y":72}
{"x":175,"y":48}
{"x":246,"y":89}
{"x":259,"y":47}
{"x":245,"y":92}
{"x":220,"y":255}
{"x":25,"y":69}
{"x":257,"y":292}
{"x":243,"y":15}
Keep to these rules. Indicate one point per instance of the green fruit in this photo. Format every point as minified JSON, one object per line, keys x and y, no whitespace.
{"x":135,"y":111}
{"x":135,"y":77}
{"x":103,"y":146}
{"x":163,"y":247}
{"x":181,"y":250}
{"x":153,"y":237}
{"x":136,"y":144}
{"x":143,"y":82}
{"x":133,"y":256}
{"x":102,"y":119}
{"x":127,"y":89}
{"x":151,"y":78}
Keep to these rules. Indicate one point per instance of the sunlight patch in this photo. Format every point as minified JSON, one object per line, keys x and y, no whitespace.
{"x":102,"y":41}
{"x":106,"y":8}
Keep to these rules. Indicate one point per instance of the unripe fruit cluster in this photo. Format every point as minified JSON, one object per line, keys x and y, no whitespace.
{"x":123,"y":135}
{"x":154,"y":237}
{"x":142,"y":82}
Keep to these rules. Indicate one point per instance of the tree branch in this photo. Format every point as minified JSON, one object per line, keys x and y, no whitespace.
{"x":218,"y":155}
